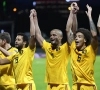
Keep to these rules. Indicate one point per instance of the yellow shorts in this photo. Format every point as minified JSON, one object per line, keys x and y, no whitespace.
{"x":58,"y":87}
{"x":7,"y":87}
{"x":83,"y":87}
{"x":30,"y":86}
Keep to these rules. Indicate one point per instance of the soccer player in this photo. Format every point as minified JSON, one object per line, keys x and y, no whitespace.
{"x":7,"y":80}
{"x":83,"y":55}
{"x":56,"y":58}
{"x":23,"y":59}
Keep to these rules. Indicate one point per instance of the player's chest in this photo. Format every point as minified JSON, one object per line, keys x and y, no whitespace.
{"x":80,"y":56}
{"x":53,"y":51}
{"x":19,"y":57}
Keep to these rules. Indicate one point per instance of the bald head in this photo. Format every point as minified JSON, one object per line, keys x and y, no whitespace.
{"x":58,"y":31}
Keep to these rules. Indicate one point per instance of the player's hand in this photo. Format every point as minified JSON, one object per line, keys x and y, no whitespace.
{"x":74,"y":7}
{"x":35,"y":13}
{"x":31,"y":13}
{"x":89,"y":11}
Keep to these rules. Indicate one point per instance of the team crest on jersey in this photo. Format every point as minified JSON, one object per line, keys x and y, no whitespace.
{"x":84,"y":51}
{"x":21,"y":52}
{"x":16,"y":60}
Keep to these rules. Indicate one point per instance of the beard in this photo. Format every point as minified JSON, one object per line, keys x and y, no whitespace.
{"x":19,"y":47}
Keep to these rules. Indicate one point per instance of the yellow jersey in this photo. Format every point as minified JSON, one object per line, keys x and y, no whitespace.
{"x":6,"y":71}
{"x":82,"y":64}
{"x":56,"y":63}
{"x":22,"y":62}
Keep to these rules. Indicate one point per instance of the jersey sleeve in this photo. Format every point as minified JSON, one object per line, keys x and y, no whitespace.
{"x":45,"y":44}
{"x":31,"y":50}
{"x":66,"y":47}
{"x":73,"y":45}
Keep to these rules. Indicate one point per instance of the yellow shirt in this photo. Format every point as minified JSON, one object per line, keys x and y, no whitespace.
{"x":82,"y":64}
{"x":56,"y":63}
{"x":23,"y":65}
{"x":6,"y":71}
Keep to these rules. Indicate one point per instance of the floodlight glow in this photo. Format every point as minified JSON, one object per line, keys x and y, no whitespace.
{"x":34,"y":3}
{"x":67,"y":0}
{"x":14,"y":9}
{"x":2,"y":31}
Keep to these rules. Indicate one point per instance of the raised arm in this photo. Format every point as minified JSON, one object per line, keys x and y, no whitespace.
{"x":32,"y":31}
{"x":98,"y":24}
{"x":75,"y":24}
{"x":93,"y":30}
{"x":71,"y":25}
{"x":37,"y":29}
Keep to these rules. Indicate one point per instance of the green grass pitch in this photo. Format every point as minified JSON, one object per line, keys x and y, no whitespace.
{"x":39,"y":73}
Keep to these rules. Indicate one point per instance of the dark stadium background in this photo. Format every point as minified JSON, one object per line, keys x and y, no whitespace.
{"x":51,"y":14}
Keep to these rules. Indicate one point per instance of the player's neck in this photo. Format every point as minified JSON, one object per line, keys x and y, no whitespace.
{"x":82,"y":48}
{"x":56,"y":46}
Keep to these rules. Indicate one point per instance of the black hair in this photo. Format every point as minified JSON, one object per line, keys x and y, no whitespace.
{"x":87,"y":35}
{"x":6,"y":36}
{"x":25,"y":38}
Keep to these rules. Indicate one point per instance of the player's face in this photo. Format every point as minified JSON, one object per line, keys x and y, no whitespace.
{"x":19,"y":42}
{"x":79,"y":40}
{"x":54,"y":38}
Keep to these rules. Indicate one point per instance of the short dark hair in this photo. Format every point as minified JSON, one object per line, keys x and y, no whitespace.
{"x":6,"y":36}
{"x":87,"y":35}
{"x":25,"y":38}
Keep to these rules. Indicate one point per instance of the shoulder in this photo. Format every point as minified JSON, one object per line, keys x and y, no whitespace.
{"x":15,"y":49}
{"x":28,"y":49}
{"x":90,"y":48}
{"x":46,"y":44}
{"x":73,"y":45}
{"x":64,"y":47}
